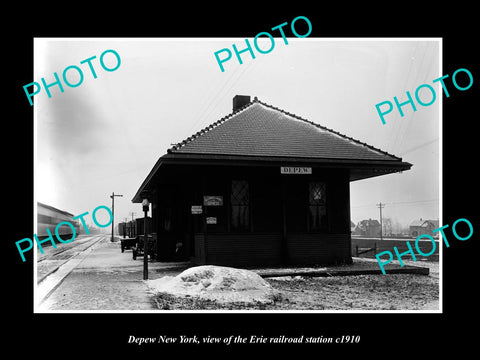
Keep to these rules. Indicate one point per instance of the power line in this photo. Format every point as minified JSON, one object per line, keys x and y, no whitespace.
{"x":418,"y":72}
{"x":398,"y":203}
{"x":214,"y":99}
{"x":412,"y":202}
{"x":419,"y":146}
{"x":398,"y":124}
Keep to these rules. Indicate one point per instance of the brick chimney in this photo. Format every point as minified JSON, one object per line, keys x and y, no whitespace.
{"x":239,"y":101}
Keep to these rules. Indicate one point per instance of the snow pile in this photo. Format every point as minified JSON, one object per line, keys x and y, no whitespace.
{"x":219,"y":283}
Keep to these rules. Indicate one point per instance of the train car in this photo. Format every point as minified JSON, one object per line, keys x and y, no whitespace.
{"x":133,"y":234}
{"x":122,"y":229}
{"x":131,"y":229}
{"x":48,"y":217}
{"x":135,"y":227}
{"x":139,"y":227}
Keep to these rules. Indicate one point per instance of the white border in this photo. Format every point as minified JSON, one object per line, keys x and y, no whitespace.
{"x":440,"y":98}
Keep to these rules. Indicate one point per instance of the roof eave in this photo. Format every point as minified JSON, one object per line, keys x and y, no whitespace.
{"x":137,"y":197}
{"x":370,"y":168}
{"x":195,"y":158}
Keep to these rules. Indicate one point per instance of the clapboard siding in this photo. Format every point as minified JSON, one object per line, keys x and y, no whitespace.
{"x":318,"y":249}
{"x":199,"y":249}
{"x":243,"y":249}
{"x":266,"y":249}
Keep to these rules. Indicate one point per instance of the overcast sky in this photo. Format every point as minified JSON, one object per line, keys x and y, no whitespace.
{"x":105,"y":135}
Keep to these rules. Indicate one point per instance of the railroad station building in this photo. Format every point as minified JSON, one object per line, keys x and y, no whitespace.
{"x":259,"y":186}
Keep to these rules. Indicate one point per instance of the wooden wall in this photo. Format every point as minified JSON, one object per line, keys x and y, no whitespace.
{"x":244,"y":250}
{"x":267,"y":242}
{"x":257,"y":249}
{"x":321,"y":249}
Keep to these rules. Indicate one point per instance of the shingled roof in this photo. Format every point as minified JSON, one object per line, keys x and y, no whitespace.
{"x":261,"y":130}
{"x":260,"y":133}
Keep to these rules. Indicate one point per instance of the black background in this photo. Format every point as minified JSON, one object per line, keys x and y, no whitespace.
{"x":409,"y":335}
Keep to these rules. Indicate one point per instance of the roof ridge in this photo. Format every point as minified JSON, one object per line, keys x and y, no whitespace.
{"x":327,"y":129}
{"x":210,"y":127}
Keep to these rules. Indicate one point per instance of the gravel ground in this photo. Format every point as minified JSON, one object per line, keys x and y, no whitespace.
{"x":361,"y":292}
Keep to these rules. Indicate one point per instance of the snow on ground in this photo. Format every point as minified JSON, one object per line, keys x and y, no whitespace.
{"x":218,"y":283}
{"x":397,"y":292}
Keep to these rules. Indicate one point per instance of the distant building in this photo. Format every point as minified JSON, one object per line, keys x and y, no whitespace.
{"x":48,"y":217}
{"x":352,"y":226}
{"x":419,"y":227}
{"x":368,"y":228}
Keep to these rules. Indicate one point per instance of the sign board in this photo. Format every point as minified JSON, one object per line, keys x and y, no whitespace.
{"x":211,"y":220}
{"x":214,"y":200}
{"x":197,"y":209}
{"x":295,"y":170}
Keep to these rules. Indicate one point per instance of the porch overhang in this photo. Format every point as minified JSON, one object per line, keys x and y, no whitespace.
{"x":358,"y":169}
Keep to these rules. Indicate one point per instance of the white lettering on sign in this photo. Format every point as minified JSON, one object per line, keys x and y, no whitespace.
{"x":211,"y":220}
{"x":213,"y":200}
{"x":295,"y":170}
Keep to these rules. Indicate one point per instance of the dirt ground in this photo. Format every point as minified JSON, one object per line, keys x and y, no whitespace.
{"x":361,"y":292}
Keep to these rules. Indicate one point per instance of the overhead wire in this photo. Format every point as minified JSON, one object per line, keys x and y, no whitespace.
{"x":219,"y":96}
{"x":400,"y":203}
{"x":417,"y":82}
{"x":398,"y":122}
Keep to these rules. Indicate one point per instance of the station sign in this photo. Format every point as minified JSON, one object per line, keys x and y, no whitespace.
{"x":295,"y":170}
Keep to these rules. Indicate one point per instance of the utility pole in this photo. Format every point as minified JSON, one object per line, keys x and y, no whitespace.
{"x":113,"y":211}
{"x":380,"y":205}
{"x":125,"y":219}
{"x":132,"y":213}
{"x":131,"y":224}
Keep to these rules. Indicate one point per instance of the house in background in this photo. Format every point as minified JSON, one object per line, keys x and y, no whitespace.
{"x":368,"y":228}
{"x":352,"y":226}
{"x":260,"y":186}
{"x":420,"y":227}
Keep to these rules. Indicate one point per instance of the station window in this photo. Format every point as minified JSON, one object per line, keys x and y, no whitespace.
{"x":317,"y":206}
{"x":240,"y":205}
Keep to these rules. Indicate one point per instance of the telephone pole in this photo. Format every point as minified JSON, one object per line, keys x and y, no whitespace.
{"x":125,"y":219}
{"x":131,"y":227}
{"x":381,"y":206}
{"x":132,"y":213}
{"x":113,"y":212}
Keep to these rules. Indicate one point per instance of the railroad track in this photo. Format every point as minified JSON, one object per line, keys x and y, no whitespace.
{"x":51,"y":252}
{"x":55,"y":258}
